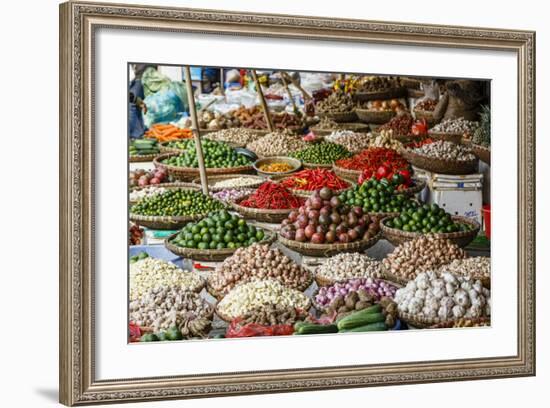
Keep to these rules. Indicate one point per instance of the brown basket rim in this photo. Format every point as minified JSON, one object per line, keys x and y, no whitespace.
{"x":326,"y":249}
{"x":259,"y":210}
{"x":197,"y":181}
{"x":418,"y":321}
{"x":393,"y":278}
{"x":348,"y":172}
{"x":195,"y":170}
{"x":214,"y":253}
{"x":380,"y":94}
{"x":307,"y":193}
{"x":439,"y":235}
{"x":347,"y":116}
{"x":449,"y":324}
{"x":369,"y":115}
{"x":461,"y":166}
{"x":143,"y":158}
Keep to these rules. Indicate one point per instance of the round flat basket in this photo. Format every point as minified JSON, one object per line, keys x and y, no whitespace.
{"x":190,"y":173}
{"x":164,"y":148}
{"x":325,"y":250}
{"x":441,"y":166}
{"x":142,"y":158}
{"x":483,"y":153}
{"x":454,"y":137}
{"x":460,"y":238}
{"x":163,"y":222}
{"x":418,"y":321}
{"x":394,"y":278}
{"x":172,"y":186}
{"x":228,"y":319}
{"x":259,"y":214}
{"x":382,"y":94}
{"x":340,"y":116}
{"x":213,"y":255}
{"x":372,"y":116}
{"x":291,"y":161}
{"x":255,"y":181}
{"x":346,"y":173}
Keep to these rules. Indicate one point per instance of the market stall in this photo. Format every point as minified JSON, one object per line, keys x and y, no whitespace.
{"x":308,"y":204}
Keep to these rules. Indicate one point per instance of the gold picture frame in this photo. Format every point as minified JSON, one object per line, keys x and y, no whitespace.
{"x":77,"y":24}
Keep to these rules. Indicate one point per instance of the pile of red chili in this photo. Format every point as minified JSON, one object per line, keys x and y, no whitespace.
{"x":272,"y":196}
{"x":314,"y":179}
{"x":371,"y":159}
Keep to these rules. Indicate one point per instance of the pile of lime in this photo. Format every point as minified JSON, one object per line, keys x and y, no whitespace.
{"x":176,"y":202}
{"x":216,"y":155}
{"x":375,"y":196}
{"x":322,"y":153}
{"x":426,"y":219}
{"x":218,"y":230}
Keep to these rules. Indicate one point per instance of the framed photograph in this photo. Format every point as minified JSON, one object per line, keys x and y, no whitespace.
{"x":256,"y":203}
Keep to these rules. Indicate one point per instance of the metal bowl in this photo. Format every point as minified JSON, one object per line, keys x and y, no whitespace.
{"x":295,"y":163}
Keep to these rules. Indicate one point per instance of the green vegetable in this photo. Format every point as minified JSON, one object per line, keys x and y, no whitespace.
{"x":312,"y":328}
{"x":322,"y":153}
{"x":218,"y":230}
{"x":378,"y":326}
{"x":143,"y":147}
{"x":147,"y":337}
{"x":426,"y":219}
{"x":371,"y":314}
{"x":378,"y":196}
{"x":173,"y":333}
{"x":176,"y":202}
{"x":216,"y":155}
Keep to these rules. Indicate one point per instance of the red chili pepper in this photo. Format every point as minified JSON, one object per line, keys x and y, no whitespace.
{"x":272,"y":196}
{"x":420,"y":127}
{"x":314,"y":179}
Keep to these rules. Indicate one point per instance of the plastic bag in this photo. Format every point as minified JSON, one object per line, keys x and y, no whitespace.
{"x":153,"y":81}
{"x":163,"y":106}
{"x":254,"y":329}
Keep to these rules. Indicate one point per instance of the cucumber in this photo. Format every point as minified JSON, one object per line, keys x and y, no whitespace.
{"x":312,"y":328}
{"x":145,"y":143}
{"x":360,"y":318}
{"x":378,"y":326}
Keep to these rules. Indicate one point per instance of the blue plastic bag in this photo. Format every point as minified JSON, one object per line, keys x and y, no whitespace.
{"x":163,"y":106}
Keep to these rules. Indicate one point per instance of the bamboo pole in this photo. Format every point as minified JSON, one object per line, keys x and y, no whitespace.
{"x":262,"y":101}
{"x":306,"y":94}
{"x":195,"y":129}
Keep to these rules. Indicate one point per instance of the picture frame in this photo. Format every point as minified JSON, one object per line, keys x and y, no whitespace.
{"x":77,"y":349}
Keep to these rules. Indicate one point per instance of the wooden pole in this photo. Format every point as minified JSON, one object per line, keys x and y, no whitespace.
{"x":306,"y":94}
{"x":262,"y":101}
{"x":195,"y":129}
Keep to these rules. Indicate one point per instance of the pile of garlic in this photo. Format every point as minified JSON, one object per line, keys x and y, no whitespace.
{"x":444,"y":296}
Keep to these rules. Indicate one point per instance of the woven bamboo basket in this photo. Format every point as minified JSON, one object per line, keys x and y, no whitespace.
{"x":340,"y":116}
{"x":295,"y":163}
{"x":307,"y":193}
{"x":390,"y":277}
{"x":454,"y":137}
{"x":451,"y":324}
{"x":441,"y":166}
{"x":346,"y":173}
{"x":323,"y":309}
{"x":460,"y":238}
{"x":372,"y":116}
{"x":164,"y":148}
{"x":190,"y":173}
{"x":418,"y":321}
{"x":483,"y":153}
{"x":428,"y":116}
{"x":258,"y":131}
{"x":172,"y":186}
{"x":220,"y":295}
{"x":214,"y":179}
{"x":142,"y":158}
{"x":213,"y":255}
{"x":382,"y":94}
{"x":163,"y":222}
{"x":317,"y":166}
{"x":325,"y":250}
{"x":416,"y":188}
{"x":228,"y":319}
{"x":260,"y":214}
